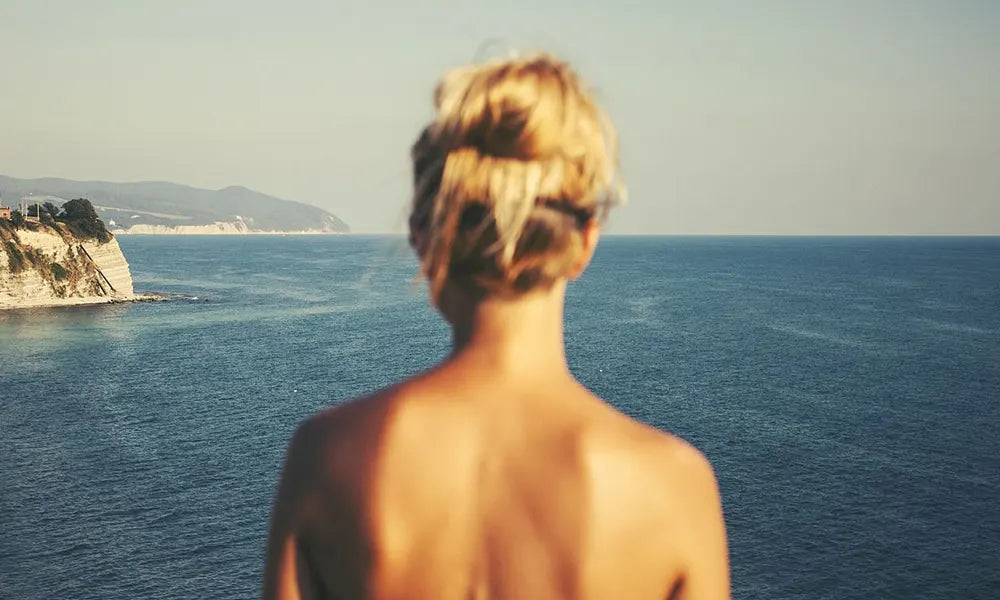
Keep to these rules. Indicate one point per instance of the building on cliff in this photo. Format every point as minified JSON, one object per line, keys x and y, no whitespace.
{"x":5,"y":212}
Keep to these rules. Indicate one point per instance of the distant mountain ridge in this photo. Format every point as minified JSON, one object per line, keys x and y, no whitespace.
{"x":163,"y":207}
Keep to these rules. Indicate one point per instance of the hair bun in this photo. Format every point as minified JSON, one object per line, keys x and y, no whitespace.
{"x":518,"y":159}
{"x":510,"y":109}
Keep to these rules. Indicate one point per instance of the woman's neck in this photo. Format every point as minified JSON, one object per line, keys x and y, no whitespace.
{"x":521,"y":335}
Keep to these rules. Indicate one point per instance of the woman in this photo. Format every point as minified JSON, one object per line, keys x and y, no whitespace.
{"x":496,"y":474}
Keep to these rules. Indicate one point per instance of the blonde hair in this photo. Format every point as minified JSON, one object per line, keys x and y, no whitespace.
{"x":518,"y":160}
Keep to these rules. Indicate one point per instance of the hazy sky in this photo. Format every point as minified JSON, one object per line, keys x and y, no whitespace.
{"x":735,"y":117}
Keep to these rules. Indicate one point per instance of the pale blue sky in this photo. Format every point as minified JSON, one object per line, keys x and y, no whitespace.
{"x":735,"y":117}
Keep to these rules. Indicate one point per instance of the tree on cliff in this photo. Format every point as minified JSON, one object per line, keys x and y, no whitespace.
{"x":50,"y":208}
{"x":79,"y":209}
{"x":81,"y":218}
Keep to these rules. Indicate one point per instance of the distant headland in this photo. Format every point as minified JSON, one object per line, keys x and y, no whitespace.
{"x":153,"y":207}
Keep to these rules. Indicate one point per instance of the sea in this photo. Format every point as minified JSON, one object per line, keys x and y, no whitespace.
{"x":846,"y":390}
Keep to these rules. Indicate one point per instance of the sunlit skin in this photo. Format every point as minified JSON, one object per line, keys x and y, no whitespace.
{"x":494,"y":475}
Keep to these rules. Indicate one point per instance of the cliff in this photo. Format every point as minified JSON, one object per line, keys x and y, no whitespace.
{"x":50,"y":264}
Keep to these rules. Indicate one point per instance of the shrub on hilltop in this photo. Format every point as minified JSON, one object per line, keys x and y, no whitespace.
{"x":82,"y":220}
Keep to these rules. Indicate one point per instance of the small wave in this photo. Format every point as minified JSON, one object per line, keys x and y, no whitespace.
{"x":817,"y":335}
{"x":639,"y":310}
{"x":895,"y":282}
{"x":167,"y":297}
{"x":866,"y":308}
{"x":815,"y":292}
{"x":957,"y":327}
{"x":170,"y":516}
{"x":67,"y":550}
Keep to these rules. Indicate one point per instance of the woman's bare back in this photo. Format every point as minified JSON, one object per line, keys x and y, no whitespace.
{"x":497,"y":475}
{"x":463,"y":484}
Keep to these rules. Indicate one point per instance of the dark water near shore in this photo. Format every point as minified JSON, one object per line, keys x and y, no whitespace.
{"x":846,"y":389}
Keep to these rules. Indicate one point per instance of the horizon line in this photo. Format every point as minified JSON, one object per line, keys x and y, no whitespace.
{"x":668,"y":234}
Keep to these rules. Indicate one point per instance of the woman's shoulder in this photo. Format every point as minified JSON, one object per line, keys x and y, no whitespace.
{"x":346,"y":423}
{"x":659,"y":459}
{"x":649,"y":481}
{"x":354,"y":430}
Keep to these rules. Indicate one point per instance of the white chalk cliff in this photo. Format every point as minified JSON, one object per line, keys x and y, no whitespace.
{"x":237,"y":227}
{"x":217,"y":228}
{"x":47,"y":265}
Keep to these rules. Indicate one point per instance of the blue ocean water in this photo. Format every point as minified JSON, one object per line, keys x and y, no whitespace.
{"x":847,"y":391}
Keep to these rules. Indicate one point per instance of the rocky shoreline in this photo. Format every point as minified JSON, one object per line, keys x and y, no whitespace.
{"x":83,"y":301}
